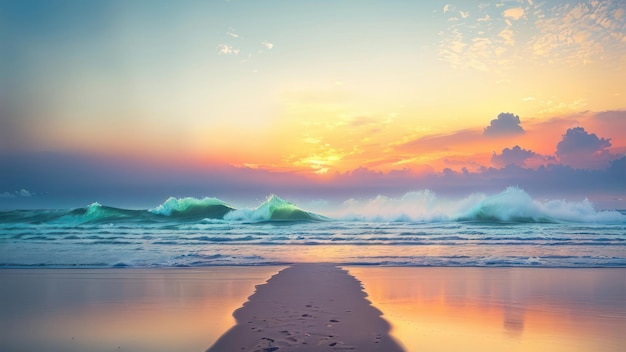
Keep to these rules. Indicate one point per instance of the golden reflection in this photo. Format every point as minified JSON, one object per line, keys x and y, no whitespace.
{"x":498,"y":309}
{"x":136,"y":310}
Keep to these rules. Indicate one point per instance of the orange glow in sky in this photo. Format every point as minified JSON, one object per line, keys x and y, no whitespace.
{"x":320,"y":90}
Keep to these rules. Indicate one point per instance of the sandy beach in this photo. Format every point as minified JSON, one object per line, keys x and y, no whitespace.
{"x":313,"y":307}
{"x":308,"y":307}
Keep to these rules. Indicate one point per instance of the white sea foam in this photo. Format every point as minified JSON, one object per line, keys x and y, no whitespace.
{"x":511,"y":205}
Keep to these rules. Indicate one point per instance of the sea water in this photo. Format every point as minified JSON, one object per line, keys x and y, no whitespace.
{"x":419,"y":229}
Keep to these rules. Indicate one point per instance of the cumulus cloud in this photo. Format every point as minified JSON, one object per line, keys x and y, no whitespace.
{"x":505,"y":124}
{"x":516,"y":156}
{"x":580,"y":149}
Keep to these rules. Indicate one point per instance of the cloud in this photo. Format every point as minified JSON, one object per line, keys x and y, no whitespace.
{"x":570,"y":34}
{"x":580,"y":149}
{"x":515,"y":13}
{"x":447,"y":8}
{"x":586,"y":32}
{"x":516,"y":156}
{"x":577,"y":139}
{"x":227,"y":50}
{"x":21,"y":193}
{"x":75,"y":181}
{"x":506,"y":124}
{"x":24,"y":193}
{"x":507,"y":35}
{"x":267,"y":44}
{"x":232,"y":34}
{"x":485,"y":18}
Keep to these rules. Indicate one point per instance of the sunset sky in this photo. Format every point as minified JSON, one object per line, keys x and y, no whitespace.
{"x":144,"y":99}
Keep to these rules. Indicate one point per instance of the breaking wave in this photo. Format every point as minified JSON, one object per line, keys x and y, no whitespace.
{"x":506,"y":229}
{"x":193,"y":208}
{"x":173,"y":210}
{"x":273,"y":209}
{"x":513,"y":205}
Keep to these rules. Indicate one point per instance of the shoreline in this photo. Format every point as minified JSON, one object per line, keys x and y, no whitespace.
{"x":290,"y":263}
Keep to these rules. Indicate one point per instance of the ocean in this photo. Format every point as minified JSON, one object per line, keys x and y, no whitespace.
{"x":509,"y":229}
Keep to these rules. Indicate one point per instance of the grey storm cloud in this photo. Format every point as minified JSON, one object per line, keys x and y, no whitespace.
{"x":515,"y":155}
{"x":581,"y":149}
{"x":505,"y":124}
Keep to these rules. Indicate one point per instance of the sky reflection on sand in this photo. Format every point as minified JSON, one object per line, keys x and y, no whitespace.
{"x":497,"y":309}
{"x":124,"y":309}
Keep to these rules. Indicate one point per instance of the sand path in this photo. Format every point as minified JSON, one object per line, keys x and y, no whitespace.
{"x":308,"y":307}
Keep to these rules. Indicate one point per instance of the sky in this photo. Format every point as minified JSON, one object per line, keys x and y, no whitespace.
{"x":128,"y":102}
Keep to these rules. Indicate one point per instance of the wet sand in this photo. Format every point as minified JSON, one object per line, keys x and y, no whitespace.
{"x":501,"y":309}
{"x":308,"y":307}
{"x":160,"y":310}
{"x":313,"y":307}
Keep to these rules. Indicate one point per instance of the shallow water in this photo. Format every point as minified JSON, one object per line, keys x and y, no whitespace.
{"x":347,"y":242}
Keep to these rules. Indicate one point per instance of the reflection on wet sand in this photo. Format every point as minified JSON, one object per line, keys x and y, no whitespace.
{"x":121,"y":310}
{"x":497,"y":309}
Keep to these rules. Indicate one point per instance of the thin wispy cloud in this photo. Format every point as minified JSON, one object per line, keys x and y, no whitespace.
{"x":22,"y":193}
{"x":572,"y":34}
{"x":227,"y":50}
{"x":581,"y":33}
